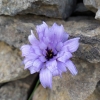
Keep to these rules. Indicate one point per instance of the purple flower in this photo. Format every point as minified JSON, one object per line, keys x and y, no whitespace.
{"x":49,"y":54}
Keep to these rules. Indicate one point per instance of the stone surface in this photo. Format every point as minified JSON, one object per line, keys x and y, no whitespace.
{"x":50,"y":8}
{"x":15,"y":30}
{"x":10,"y":64}
{"x":96,"y":94}
{"x":69,"y":87}
{"x":16,"y":90}
{"x":93,"y":5}
{"x":81,"y":10}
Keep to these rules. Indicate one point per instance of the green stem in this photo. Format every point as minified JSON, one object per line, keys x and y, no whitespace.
{"x":34,"y":89}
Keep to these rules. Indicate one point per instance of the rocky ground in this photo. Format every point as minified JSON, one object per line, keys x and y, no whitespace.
{"x":78,"y":17}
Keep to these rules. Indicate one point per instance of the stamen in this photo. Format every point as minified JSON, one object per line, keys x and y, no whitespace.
{"x":49,"y":54}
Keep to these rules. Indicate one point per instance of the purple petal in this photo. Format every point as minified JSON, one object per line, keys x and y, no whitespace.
{"x":42,"y":59}
{"x":65,"y":57}
{"x":65,"y":37}
{"x":28,"y":64}
{"x":72,"y":44}
{"x":42,"y":45}
{"x":56,"y":73}
{"x":32,"y":39}
{"x":37,"y":64}
{"x":32,"y":70}
{"x":26,"y":50}
{"x":41,"y":29}
{"x":30,"y":57}
{"x":51,"y":65}
{"x":59,"y":46}
{"x":54,"y":34}
{"x":38,"y":51}
{"x":46,"y":78}
{"x":71,"y":67}
{"x":61,"y":67}
{"x":58,"y":31}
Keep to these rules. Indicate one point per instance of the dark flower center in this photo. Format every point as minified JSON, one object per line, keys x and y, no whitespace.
{"x":49,"y":54}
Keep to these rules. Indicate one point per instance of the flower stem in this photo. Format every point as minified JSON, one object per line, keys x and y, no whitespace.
{"x":34,"y":89}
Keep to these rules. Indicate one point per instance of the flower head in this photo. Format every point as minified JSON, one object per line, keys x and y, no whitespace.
{"x":49,"y":54}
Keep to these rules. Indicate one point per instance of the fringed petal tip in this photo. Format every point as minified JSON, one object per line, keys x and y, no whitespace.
{"x":71,"y":67}
{"x":72,"y":44}
{"x":46,"y":78}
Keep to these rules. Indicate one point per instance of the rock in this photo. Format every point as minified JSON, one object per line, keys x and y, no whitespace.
{"x":93,"y":5}
{"x":16,"y":90}
{"x":15,"y":30}
{"x":39,"y":94}
{"x":50,"y":8}
{"x":81,"y":10}
{"x":69,"y":87}
{"x":10,"y":64}
{"x":96,"y":94}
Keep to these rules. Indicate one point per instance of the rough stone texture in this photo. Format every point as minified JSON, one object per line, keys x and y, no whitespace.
{"x":15,"y":30}
{"x":17,"y":90}
{"x":72,"y":87}
{"x":81,"y":10}
{"x":96,"y":94}
{"x":50,"y":8}
{"x":14,"y":91}
{"x":10,"y":64}
{"x":93,"y":5}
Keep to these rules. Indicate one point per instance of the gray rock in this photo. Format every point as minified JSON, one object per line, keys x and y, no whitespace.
{"x":50,"y":8}
{"x":69,"y":87}
{"x":11,"y":67}
{"x":15,"y":30}
{"x":93,"y":5}
{"x":81,"y":10}
{"x":16,"y":90}
{"x":96,"y":94}
{"x":13,"y":91}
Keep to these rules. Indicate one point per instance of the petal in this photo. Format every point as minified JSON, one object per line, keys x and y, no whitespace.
{"x":37,"y":64}
{"x":71,"y":67}
{"x":65,"y":37}
{"x":55,"y":73}
{"x":61,"y":67}
{"x":65,"y":57}
{"x":28,"y":64}
{"x":41,"y":29}
{"x":72,"y":44}
{"x":46,"y":78}
{"x":42,"y":59}
{"x":59,"y":46}
{"x":51,"y":65}
{"x":26,"y":50}
{"x":37,"y":50}
{"x":42,"y":45}
{"x":32,"y":39}
{"x":32,"y":56}
{"x":58,"y":31}
{"x":32,"y":70}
